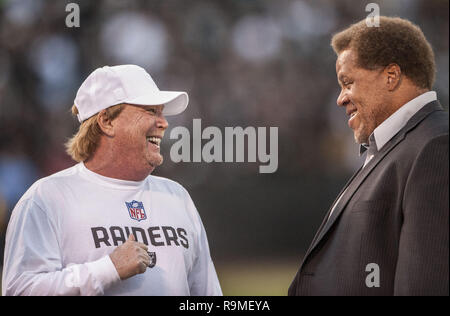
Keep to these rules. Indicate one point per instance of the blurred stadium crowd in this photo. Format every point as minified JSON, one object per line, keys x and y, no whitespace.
{"x":243,"y":63}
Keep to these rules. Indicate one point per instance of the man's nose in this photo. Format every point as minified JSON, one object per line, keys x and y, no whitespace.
{"x":162,"y":122}
{"x":343,"y":98}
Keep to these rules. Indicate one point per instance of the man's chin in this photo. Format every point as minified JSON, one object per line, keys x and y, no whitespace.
{"x":155,"y":163}
{"x":360,"y":138}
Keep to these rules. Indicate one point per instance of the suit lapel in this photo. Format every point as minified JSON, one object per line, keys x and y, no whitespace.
{"x":337,"y":198}
{"x":359,"y":177}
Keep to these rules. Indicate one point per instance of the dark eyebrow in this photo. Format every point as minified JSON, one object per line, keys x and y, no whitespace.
{"x":342,"y":78}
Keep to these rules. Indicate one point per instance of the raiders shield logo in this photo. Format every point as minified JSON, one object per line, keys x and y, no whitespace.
{"x":136,"y":210}
{"x":152,"y":259}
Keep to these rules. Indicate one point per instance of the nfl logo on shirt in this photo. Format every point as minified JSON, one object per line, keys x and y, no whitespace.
{"x":136,"y":210}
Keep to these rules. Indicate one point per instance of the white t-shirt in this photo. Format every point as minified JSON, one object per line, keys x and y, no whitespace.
{"x":63,"y":229}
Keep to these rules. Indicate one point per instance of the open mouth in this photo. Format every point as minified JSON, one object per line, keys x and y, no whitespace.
{"x":352,"y":114}
{"x":154,"y":140}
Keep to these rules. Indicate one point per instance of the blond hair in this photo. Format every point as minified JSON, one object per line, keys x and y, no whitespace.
{"x":83,"y":144}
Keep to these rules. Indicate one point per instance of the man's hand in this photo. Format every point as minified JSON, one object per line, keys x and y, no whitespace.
{"x":131,"y":258}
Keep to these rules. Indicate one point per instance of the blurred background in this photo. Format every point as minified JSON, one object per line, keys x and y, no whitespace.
{"x":244,"y":63}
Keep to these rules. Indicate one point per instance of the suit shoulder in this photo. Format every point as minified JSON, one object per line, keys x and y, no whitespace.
{"x":433,"y":126}
{"x":436,"y":124}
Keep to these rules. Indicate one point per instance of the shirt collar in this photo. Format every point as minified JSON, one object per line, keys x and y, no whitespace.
{"x":372,"y":144}
{"x":394,"y":123}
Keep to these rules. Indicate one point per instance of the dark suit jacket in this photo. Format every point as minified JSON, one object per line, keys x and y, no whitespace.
{"x":395,"y":213}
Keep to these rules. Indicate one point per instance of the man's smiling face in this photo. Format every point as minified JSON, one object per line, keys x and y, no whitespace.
{"x":363,"y":94}
{"x":139,"y":131}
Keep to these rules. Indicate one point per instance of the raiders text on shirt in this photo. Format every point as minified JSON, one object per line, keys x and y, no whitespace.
{"x":158,"y":235}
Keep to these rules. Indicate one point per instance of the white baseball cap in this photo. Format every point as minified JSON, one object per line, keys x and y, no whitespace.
{"x":131,"y":84}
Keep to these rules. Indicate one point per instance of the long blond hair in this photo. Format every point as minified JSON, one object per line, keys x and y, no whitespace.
{"x":83,"y":144}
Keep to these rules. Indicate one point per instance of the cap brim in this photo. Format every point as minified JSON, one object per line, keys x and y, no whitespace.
{"x":174,"y":102}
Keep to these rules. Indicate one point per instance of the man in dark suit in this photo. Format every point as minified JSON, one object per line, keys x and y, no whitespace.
{"x":387,"y":233}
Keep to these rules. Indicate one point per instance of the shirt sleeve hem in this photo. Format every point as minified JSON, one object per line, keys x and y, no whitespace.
{"x":104,"y":272}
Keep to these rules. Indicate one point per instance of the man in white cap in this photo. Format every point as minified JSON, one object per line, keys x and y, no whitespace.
{"x":105,"y":225}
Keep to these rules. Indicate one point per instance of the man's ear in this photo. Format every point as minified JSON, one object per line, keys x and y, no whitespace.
{"x":105,"y":123}
{"x":393,"y":76}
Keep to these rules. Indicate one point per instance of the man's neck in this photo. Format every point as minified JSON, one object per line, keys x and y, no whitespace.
{"x":104,"y":162}
{"x":405,"y":94}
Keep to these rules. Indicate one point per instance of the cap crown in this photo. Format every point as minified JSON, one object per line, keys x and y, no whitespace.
{"x":108,"y":86}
